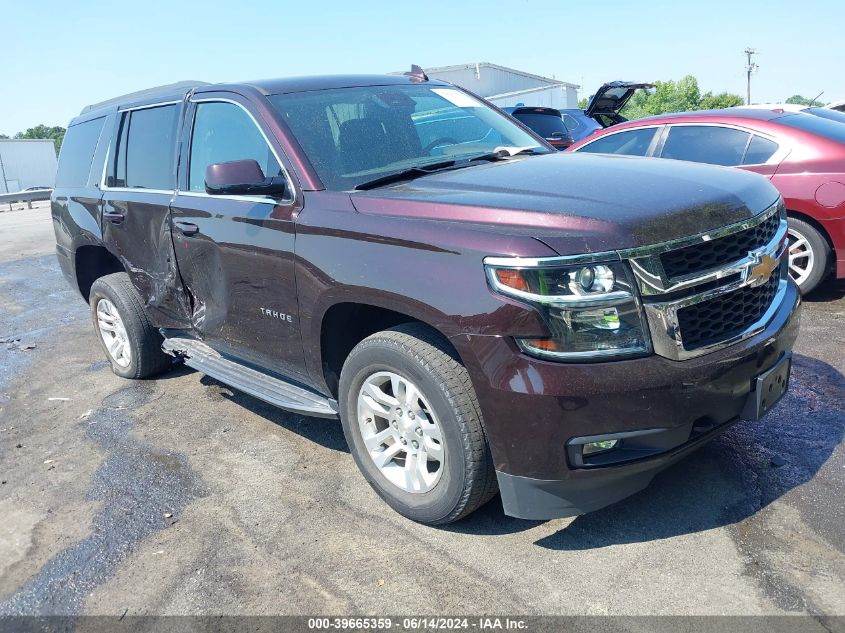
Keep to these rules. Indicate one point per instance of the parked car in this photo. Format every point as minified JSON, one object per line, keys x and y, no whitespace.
{"x":547,"y":122}
{"x":479,"y":310}
{"x":802,"y":155}
{"x":602,"y":111}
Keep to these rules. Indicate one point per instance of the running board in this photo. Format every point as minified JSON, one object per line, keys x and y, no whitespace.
{"x":256,"y":383}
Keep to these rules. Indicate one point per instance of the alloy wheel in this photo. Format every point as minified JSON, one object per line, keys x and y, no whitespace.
{"x":113,"y":333}
{"x":401,"y":432}
{"x":801,"y":256}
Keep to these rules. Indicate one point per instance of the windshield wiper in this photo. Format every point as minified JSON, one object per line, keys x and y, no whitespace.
{"x":424,"y":170}
{"x":405,"y":174}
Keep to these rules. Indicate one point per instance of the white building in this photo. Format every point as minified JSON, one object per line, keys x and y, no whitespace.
{"x":26,"y":163}
{"x":507,"y":86}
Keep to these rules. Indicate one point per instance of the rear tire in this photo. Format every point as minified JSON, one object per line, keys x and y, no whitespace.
{"x":809,"y":255}
{"x":132,"y":345}
{"x":422,"y":389}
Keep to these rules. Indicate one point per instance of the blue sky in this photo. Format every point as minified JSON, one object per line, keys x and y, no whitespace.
{"x":62,"y":55}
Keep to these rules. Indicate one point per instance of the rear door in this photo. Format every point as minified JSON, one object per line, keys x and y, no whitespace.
{"x":722,"y":145}
{"x":140,"y":181}
{"x":236,"y":252}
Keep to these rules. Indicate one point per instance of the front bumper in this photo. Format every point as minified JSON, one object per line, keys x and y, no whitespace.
{"x":532,"y":408}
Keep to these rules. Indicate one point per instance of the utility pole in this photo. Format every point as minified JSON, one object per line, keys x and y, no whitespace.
{"x":750,"y":67}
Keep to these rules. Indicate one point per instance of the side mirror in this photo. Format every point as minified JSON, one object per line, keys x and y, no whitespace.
{"x":241,"y":177}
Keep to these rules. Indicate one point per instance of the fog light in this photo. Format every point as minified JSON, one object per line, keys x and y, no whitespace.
{"x":599,"y":447}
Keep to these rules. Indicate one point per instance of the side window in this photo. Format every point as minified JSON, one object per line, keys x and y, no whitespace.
{"x":146,"y":148}
{"x":78,"y":152}
{"x":706,"y":144}
{"x":759,"y":151}
{"x":224,"y":132}
{"x":630,"y":143}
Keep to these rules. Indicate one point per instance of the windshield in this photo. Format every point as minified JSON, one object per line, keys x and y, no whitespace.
{"x":816,"y":125}
{"x":353,"y":135}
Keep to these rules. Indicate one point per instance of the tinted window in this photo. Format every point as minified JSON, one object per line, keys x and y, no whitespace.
{"x":77,"y":153}
{"x":816,"y":125}
{"x":759,"y":151}
{"x":546,"y":125}
{"x":828,"y":113}
{"x":146,"y":148}
{"x":224,"y":132}
{"x":353,"y":135}
{"x":630,"y":143}
{"x":706,"y":144}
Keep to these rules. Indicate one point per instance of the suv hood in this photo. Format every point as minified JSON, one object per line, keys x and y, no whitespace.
{"x":579,"y":203}
{"x":612,"y":97}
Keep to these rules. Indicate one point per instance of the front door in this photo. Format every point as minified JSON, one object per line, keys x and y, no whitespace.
{"x":236,"y":253}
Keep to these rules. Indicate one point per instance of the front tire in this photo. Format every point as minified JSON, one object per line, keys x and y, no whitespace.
{"x":809,"y":255}
{"x":413,"y":424}
{"x":132,"y":345}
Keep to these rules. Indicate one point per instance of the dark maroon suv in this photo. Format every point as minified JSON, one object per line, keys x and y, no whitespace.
{"x":481,"y":312}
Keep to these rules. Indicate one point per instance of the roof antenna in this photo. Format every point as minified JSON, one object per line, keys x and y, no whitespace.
{"x":416,"y":74}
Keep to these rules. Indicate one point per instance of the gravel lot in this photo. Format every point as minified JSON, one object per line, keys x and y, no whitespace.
{"x":178,"y":496}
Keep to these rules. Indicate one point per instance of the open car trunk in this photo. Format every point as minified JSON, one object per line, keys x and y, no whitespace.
{"x":604,"y":106}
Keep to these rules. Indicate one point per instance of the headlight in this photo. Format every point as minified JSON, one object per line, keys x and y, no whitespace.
{"x":590,"y":309}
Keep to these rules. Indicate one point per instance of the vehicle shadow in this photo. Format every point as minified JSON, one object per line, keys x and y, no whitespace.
{"x":830,"y":290}
{"x":728,"y":480}
{"x":326,"y":433}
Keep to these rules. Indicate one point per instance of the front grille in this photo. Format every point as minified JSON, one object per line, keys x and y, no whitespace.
{"x":727,"y":315}
{"x":719,"y":252}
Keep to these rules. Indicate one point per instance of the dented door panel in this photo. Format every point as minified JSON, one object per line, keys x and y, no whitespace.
{"x":238,"y":274}
{"x":136,"y":228}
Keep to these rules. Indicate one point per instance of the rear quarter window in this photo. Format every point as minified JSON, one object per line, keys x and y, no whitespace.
{"x":759,"y":151}
{"x":77,"y":153}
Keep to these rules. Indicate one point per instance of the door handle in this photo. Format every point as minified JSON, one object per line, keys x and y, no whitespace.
{"x":115,"y":217}
{"x":187,"y":228}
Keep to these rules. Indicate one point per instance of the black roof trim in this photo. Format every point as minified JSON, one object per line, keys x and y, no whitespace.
{"x":174,"y":89}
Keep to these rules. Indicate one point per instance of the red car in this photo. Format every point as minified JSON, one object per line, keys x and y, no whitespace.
{"x":802,"y":155}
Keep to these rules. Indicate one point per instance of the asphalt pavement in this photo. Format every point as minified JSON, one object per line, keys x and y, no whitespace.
{"x":182,"y":496}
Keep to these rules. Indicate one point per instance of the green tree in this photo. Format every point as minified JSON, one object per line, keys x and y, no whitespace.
{"x":798,"y":99}
{"x":56,"y":133}
{"x":709,"y":101}
{"x":3,"y":136}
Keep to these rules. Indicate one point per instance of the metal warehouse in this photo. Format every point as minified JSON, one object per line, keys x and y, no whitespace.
{"x":26,"y":163}
{"x":508,"y":86}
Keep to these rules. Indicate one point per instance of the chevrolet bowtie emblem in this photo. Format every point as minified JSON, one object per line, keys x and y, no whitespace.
{"x":761,"y":269}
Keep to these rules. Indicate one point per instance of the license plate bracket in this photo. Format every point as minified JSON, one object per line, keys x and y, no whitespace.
{"x":767,"y":389}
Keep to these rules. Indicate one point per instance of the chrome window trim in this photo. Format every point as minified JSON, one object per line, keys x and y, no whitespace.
{"x":266,"y":199}
{"x":255,"y":199}
{"x":150,"y":105}
{"x":120,"y":112}
{"x":169,"y":192}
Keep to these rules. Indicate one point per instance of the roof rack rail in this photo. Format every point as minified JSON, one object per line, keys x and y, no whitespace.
{"x":147,"y":93}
